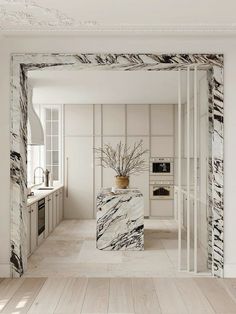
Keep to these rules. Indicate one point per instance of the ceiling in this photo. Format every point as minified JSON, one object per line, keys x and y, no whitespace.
{"x":106,"y":87}
{"x":102,"y":15}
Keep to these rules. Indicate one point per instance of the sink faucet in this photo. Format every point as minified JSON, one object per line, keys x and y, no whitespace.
{"x":35,"y":173}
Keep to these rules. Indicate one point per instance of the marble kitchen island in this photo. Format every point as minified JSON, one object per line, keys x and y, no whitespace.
{"x":120,"y":220}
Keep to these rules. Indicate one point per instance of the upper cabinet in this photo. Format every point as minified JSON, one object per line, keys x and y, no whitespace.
{"x":162,"y":119}
{"x":138,"y":120}
{"x":78,"y":121}
{"x":113,"y":118}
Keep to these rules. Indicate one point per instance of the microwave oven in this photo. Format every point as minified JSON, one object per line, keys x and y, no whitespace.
{"x":162,"y":166}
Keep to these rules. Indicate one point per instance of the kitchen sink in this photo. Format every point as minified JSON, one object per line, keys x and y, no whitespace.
{"x":45,"y":188}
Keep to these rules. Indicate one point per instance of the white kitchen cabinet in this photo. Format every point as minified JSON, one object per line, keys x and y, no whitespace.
{"x":33,"y":226}
{"x":138,"y":120}
{"x":54,"y":209}
{"x":46,"y":231}
{"x":79,"y":178}
{"x":28,"y":231}
{"x":162,"y":119}
{"x":60,"y":204}
{"x":162,"y":209}
{"x":78,"y":120}
{"x":50,"y":212}
{"x":162,"y":146}
{"x":113,"y":120}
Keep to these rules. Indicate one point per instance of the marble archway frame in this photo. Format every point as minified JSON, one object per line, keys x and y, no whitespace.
{"x":21,"y":63}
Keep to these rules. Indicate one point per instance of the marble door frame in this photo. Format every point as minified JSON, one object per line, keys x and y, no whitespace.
{"x":21,"y":63}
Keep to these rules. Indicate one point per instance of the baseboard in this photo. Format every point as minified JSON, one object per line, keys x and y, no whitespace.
{"x":229,"y":270}
{"x":5,"y":271}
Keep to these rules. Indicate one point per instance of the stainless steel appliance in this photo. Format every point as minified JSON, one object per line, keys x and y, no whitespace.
{"x":161,"y":190}
{"x":41,"y":216}
{"x":162,"y":166}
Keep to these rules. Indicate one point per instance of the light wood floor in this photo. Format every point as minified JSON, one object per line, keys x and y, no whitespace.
{"x":118,"y":295}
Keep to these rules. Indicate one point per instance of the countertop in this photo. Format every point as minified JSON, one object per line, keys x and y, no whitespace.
{"x":39,"y":194}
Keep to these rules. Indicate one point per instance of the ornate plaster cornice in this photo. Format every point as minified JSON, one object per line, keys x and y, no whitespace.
{"x":26,"y":16}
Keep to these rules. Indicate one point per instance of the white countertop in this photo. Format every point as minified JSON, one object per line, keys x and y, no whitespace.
{"x":39,"y":194}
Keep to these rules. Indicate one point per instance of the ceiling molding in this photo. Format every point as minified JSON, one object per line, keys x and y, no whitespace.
{"x":27,"y":17}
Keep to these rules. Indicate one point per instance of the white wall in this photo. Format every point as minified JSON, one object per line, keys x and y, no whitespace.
{"x":127,"y":44}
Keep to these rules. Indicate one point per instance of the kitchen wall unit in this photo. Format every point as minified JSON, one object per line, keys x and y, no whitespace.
{"x":53,"y":216}
{"x":91,"y":126}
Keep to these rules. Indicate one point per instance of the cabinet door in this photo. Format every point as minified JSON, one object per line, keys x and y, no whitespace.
{"x":46,"y":217}
{"x":54,"y":210}
{"x":57,"y":207}
{"x":50,"y":213}
{"x":162,"y":120}
{"x":79,"y":178}
{"x":137,"y":120}
{"x":60,"y":205}
{"x":34,"y":226}
{"x":28,"y":231}
{"x":113,"y":120}
{"x":78,"y":120}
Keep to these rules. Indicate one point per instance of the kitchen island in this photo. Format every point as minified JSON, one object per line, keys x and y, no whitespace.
{"x":120,"y":220}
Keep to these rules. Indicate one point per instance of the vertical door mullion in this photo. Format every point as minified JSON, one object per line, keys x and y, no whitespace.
{"x":188,"y":168}
{"x":195,"y":165}
{"x":179,"y":171}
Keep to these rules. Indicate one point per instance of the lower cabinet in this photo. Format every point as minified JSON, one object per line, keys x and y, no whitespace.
{"x":53,"y":216}
{"x":61,"y":214}
{"x":32,"y":234}
{"x":50,"y":212}
{"x":54,"y":210}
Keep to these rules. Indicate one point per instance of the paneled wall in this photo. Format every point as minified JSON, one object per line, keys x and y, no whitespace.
{"x":89,"y":126}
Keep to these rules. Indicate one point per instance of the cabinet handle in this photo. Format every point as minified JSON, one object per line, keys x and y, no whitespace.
{"x":67,"y":168}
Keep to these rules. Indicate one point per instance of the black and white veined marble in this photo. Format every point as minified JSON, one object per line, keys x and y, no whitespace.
{"x":21,"y":63}
{"x":120,"y":220}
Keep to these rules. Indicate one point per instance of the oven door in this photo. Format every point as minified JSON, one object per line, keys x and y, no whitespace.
{"x":41,"y":216}
{"x":161,"y":192}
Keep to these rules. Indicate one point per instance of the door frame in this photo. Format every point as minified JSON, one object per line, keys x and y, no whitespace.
{"x":22,"y":63}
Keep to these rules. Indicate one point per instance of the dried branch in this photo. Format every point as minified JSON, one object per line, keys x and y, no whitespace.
{"x":123,"y":160}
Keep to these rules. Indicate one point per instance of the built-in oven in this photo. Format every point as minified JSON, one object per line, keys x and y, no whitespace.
{"x":162,"y":166}
{"x":41,"y":216}
{"x":161,"y":190}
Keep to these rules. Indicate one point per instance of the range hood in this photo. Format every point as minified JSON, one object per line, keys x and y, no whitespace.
{"x":35,"y":129}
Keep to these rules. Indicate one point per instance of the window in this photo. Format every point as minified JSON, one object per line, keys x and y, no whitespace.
{"x":53,"y":141}
{"x":48,"y":156}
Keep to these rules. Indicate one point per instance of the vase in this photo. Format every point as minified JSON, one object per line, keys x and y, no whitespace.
{"x":122,"y":182}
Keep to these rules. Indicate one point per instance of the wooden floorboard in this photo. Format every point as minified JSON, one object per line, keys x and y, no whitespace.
{"x":194,"y":299}
{"x":97,"y":296}
{"x":169,"y":297}
{"x":49,"y":296}
{"x":8,"y":288}
{"x":71,"y":300}
{"x":217,"y":295}
{"x":145,"y":297}
{"x":118,"y":295}
{"x":24,"y":296}
{"x":121,"y":296}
